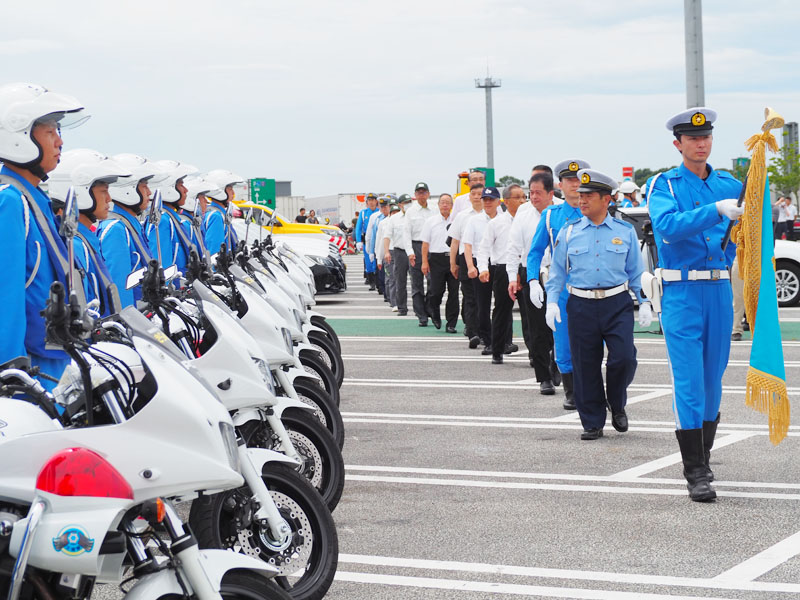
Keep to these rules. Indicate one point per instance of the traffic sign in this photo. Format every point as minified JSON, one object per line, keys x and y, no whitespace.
{"x":262,"y":191}
{"x":627,"y":173}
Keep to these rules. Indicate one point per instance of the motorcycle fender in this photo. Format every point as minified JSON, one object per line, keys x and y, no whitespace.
{"x":261,"y":456}
{"x":285,"y":402}
{"x":312,"y":313}
{"x":308,"y":327}
{"x":306,"y":346}
{"x":293,"y":373}
{"x":216,"y":563}
{"x":240,"y":417}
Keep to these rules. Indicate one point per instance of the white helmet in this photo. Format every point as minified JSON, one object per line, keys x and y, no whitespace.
{"x":628,"y":187}
{"x":124,"y":190}
{"x":21,"y":106}
{"x":222,"y":179}
{"x":81,"y":169}
{"x":195,"y":186}
{"x":175,"y":171}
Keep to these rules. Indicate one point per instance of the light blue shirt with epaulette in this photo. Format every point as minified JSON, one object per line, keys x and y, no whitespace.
{"x":688,"y":229}
{"x":559,"y":214}
{"x":591,"y":257}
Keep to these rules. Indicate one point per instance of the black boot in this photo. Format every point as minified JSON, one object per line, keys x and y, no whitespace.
{"x":709,"y":432}
{"x":694,"y":467}
{"x":371,"y":280}
{"x":569,"y":391}
{"x":555,"y":374}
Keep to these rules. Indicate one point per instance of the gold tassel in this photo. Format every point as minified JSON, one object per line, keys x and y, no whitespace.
{"x":767,"y":394}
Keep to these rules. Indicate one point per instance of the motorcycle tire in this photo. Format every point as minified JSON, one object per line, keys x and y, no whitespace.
{"x":325,"y":409}
{"x":323,"y":465}
{"x":314,"y":544}
{"x":312,"y":363}
{"x":244,"y":585}
{"x":320,"y":322}
{"x":330,"y":355}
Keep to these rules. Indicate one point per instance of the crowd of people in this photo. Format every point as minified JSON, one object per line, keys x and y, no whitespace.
{"x":575,"y":270}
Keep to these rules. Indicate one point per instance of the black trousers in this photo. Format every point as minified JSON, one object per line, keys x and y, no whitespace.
{"x":469,"y":306}
{"x":381,"y":280}
{"x":440,"y":279}
{"x":400,"y":260}
{"x":483,"y":299}
{"x":418,"y":283}
{"x":538,"y":336}
{"x":502,"y":319}
{"x":606,"y":321}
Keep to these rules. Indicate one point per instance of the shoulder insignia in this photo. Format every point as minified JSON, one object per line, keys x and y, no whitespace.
{"x":573,"y":220}
{"x":621,"y":222}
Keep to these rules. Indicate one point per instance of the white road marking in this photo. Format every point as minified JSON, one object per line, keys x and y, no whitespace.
{"x":512,"y":589}
{"x":569,"y":574}
{"x":555,"y":487}
{"x":674,"y":459}
{"x":763,"y":562}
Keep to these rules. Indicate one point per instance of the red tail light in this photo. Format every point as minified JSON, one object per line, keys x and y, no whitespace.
{"x":82,"y":472}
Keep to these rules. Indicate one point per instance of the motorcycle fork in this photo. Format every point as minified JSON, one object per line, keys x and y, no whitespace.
{"x":267,"y":511}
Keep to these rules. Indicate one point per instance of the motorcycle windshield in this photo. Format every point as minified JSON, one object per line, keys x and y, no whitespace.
{"x":141,"y":327}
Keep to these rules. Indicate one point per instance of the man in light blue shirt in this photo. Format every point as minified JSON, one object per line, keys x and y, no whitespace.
{"x":597,"y":259}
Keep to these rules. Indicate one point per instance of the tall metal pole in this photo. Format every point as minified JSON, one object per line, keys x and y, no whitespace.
{"x":695,"y":86}
{"x":488,"y":84}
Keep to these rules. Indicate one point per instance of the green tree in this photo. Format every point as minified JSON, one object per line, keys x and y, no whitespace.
{"x":642,"y":175}
{"x":507,"y":180}
{"x":784,"y":170}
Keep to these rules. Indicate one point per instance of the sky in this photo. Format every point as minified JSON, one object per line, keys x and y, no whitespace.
{"x":357,"y":95}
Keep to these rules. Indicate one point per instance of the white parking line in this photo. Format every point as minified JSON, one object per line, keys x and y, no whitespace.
{"x":569,"y":574}
{"x":514,"y":358}
{"x":763,"y":562}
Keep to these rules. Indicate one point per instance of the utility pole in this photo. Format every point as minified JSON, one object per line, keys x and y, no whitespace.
{"x":695,"y":86}
{"x":488,"y":84}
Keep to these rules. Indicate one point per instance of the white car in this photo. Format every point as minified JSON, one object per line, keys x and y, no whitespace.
{"x":787,"y":257}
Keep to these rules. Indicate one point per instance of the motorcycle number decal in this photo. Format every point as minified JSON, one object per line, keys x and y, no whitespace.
{"x":161,"y":337}
{"x":73,"y":541}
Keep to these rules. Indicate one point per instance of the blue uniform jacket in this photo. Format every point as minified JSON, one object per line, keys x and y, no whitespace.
{"x":92,"y":282}
{"x":122,"y":254}
{"x":28,"y":272}
{"x":600,"y":257}
{"x":361,"y":225}
{"x":195,"y":233}
{"x":559,"y":214}
{"x":688,"y":230}
{"x":215,"y":231}
{"x":371,"y":237}
{"x":173,"y":251}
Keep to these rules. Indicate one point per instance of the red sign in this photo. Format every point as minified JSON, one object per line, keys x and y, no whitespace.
{"x":627,"y":172}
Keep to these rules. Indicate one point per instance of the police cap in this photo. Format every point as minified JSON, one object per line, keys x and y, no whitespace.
{"x":595,"y":181}
{"x":570,"y":168}
{"x":694,"y":121}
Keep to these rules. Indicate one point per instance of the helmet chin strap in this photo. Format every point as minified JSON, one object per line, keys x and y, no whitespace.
{"x":89,"y":214}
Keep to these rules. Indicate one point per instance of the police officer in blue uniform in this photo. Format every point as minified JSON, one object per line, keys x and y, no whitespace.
{"x":174,"y":229}
{"x":217,"y":228}
{"x":122,"y":240}
{"x":597,"y":259}
{"x":34,"y":256}
{"x":360,"y":235}
{"x":690,"y":208}
{"x":551,"y":222}
{"x":89,"y":173}
{"x":194,"y":209}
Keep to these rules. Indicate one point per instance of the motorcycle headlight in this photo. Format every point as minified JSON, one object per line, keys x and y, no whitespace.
{"x":312,"y":260}
{"x":263,"y":368}
{"x":231,"y":445}
{"x":287,"y":340}
{"x":298,"y":319}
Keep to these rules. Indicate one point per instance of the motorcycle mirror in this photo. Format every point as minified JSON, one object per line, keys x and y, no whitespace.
{"x":69,"y":217}
{"x":134,"y":279}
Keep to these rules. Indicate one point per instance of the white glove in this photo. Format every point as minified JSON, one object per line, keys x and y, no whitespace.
{"x":537,"y":293}
{"x":552,"y":315}
{"x":645,"y":314}
{"x":359,"y":246}
{"x":728,"y":208}
{"x":371,"y":258}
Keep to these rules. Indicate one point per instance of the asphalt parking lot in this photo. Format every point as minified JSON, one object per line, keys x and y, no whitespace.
{"x":464,"y":482}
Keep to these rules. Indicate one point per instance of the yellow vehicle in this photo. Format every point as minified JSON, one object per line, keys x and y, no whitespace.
{"x":280,"y":226}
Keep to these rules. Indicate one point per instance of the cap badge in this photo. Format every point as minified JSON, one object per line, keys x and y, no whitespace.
{"x":698,"y":119}
{"x":585,"y":178}
{"x":617,"y":241}
{"x":573,"y":166}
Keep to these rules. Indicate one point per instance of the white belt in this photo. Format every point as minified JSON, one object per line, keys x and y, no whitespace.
{"x":598,"y":294}
{"x":677,"y":275}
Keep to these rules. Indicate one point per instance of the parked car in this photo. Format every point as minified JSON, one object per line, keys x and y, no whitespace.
{"x":280,"y":226}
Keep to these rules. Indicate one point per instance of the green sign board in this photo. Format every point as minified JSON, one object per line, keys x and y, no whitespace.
{"x":489,"y":174}
{"x":262,"y":191}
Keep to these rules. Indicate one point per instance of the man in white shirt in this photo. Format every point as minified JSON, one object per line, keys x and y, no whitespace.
{"x":399,"y":244}
{"x":415,"y":218}
{"x":436,"y":266}
{"x":491,"y":264}
{"x":381,"y":244}
{"x":473,"y":234}
{"x":370,"y":245}
{"x":458,"y":266}
{"x":462,"y":202}
{"x":538,"y":336}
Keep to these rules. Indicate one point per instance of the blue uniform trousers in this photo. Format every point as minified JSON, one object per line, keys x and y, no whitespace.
{"x":561,"y":339}
{"x":697,"y":319}
{"x":370,"y":266}
{"x":606,"y":321}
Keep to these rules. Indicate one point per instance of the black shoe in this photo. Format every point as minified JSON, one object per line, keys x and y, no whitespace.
{"x":569,"y":400}
{"x":497,"y":360}
{"x":474,"y":342}
{"x":487,"y":350}
{"x":554,"y":372}
{"x":736,"y":337}
{"x":385,"y":299}
{"x":546,"y":388}
{"x":423,"y":323}
{"x":510,"y":349}
{"x":402,"y":313}
{"x":694,"y":468}
{"x":437,"y":322}
{"x":450,"y":329}
{"x":592,"y":434}
{"x":620,"y":421}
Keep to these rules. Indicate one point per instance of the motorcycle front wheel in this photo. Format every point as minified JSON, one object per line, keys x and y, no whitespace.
{"x":323,"y":324}
{"x":324,"y":408}
{"x":313,"y":364}
{"x":330,"y":355}
{"x":243,"y":585}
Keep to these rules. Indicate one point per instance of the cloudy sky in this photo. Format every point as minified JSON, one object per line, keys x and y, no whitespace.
{"x":360,"y":95}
